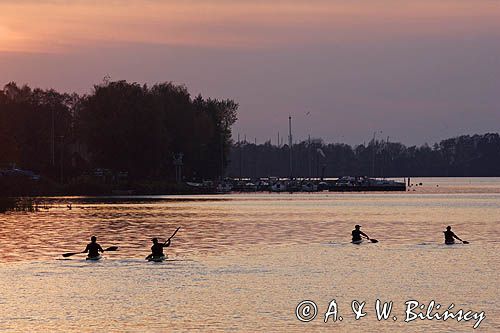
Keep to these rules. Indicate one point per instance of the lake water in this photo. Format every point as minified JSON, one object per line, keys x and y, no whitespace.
{"x":243,"y":262}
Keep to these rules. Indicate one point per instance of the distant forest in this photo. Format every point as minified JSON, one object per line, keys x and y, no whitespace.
{"x":476,"y":155}
{"x":120,"y":126}
{"x":137,"y":130}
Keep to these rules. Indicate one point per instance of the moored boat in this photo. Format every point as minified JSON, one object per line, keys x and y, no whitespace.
{"x":366,"y":184}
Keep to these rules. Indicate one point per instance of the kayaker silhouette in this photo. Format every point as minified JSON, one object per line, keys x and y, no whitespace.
{"x":157,"y":249}
{"x":449,"y":237}
{"x":93,"y":248}
{"x":357,"y":233}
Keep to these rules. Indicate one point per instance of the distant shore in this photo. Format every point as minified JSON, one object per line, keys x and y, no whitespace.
{"x":44,"y":187}
{"x":22,"y":187}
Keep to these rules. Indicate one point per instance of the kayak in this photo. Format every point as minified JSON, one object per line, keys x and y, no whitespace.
{"x":157,"y":259}
{"x":357,"y":241}
{"x":449,"y":243}
{"x":98,"y":257}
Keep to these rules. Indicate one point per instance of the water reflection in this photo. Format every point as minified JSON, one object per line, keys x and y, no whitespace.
{"x":237,"y":222}
{"x":243,"y":262}
{"x":20,"y":205}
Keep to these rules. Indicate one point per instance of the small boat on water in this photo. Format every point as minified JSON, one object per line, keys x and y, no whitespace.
{"x":309,"y":187}
{"x":157,"y":259}
{"x":278,"y":187}
{"x":223,"y":188}
{"x":365,"y":184}
{"x":98,"y":257}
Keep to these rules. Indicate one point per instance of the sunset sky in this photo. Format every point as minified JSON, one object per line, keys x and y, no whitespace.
{"x":416,"y":71}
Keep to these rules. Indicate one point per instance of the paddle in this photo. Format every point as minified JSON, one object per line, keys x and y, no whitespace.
{"x":372,"y":240}
{"x":70,"y":254}
{"x":172,"y":235}
{"x":465,"y":242}
{"x":111,"y":248}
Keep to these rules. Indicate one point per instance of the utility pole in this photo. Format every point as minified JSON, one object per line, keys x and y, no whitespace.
{"x":385,"y":158}
{"x":241,"y":156}
{"x":222,"y":153}
{"x":317,"y":164}
{"x":53,"y":144}
{"x":178,"y":166}
{"x":290,"y":144}
{"x":309,"y":154}
{"x":62,"y":159}
{"x":373,"y":154}
{"x":256,"y":158}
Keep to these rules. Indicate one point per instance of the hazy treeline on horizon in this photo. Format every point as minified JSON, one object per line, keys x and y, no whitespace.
{"x":476,"y":155}
{"x":132,"y":128}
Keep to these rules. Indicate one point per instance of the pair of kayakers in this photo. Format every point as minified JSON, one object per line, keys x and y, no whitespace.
{"x":93,"y":248}
{"x":449,"y":236}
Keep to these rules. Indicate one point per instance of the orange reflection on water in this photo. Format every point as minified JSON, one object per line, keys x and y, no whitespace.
{"x":212,"y":224}
{"x":243,"y":262}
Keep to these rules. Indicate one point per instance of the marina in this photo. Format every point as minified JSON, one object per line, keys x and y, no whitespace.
{"x":249,"y":166}
{"x":283,"y":185}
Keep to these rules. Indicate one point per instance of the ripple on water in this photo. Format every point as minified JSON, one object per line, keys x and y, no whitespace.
{"x":244,"y":262}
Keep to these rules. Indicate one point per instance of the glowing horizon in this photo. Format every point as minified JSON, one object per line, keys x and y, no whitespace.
{"x":367,"y":65}
{"x":55,"y":26}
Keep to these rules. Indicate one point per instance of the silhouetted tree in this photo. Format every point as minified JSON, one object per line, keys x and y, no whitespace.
{"x":120,"y":126}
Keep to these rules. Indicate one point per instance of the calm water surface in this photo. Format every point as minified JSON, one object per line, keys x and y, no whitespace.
{"x":243,"y":262}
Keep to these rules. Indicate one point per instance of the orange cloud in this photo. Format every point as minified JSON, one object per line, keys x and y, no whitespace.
{"x":57,"y":26}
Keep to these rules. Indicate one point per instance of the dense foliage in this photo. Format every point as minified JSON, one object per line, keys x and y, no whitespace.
{"x":120,"y":126}
{"x":137,"y":130}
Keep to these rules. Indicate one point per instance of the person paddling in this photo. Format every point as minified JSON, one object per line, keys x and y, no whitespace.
{"x":357,"y":233}
{"x":93,"y":248}
{"x":157,"y":249}
{"x":157,"y":254}
{"x":449,"y":237}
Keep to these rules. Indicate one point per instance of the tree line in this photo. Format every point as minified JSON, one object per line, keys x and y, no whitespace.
{"x":476,"y":155}
{"x":120,"y":126}
{"x":137,"y":130}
